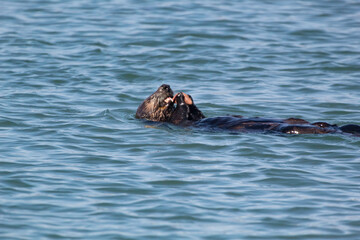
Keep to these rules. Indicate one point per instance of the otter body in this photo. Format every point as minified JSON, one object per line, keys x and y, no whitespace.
{"x":264,"y":125}
{"x":160,"y":107}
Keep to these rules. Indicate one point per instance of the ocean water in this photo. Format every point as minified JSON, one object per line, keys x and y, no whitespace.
{"x":76,"y":164}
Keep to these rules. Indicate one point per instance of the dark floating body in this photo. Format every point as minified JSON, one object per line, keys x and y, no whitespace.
{"x":159,"y":107}
{"x":290,"y":126}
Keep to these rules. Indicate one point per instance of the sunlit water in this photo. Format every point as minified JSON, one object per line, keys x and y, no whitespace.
{"x":76,"y":164}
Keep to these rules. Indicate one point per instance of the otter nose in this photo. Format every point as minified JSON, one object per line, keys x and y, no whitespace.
{"x":165,"y":86}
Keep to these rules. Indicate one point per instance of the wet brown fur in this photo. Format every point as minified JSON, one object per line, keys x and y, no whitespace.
{"x":155,"y":108}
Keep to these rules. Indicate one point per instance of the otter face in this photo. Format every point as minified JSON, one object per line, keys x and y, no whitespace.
{"x":158,"y":106}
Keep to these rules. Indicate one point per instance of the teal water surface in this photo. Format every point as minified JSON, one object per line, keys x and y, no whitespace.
{"x":76,"y":164}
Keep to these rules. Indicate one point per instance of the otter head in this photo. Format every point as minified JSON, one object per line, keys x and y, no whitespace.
{"x":158,"y":106}
{"x":186,"y":110}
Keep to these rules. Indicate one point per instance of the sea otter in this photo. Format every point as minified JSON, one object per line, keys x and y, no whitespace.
{"x":160,"y":107}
